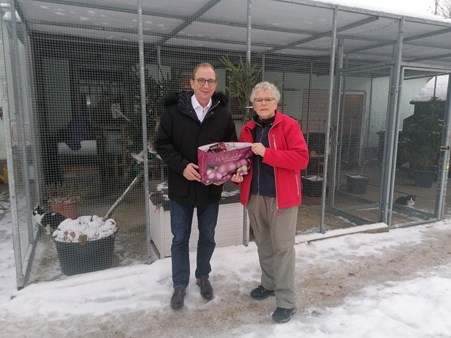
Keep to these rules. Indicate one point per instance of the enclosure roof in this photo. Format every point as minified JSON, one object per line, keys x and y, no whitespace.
{"x":280,"y":28}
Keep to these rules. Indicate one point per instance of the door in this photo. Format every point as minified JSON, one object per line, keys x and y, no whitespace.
{"x":20,"y":143}
{"x":422,"y":158}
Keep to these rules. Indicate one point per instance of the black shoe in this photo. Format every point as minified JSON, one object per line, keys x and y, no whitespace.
{"x":282,"y":315}
{"x":177,"y":298}
{"x":206,"y":291}
{"x":260,"y":293}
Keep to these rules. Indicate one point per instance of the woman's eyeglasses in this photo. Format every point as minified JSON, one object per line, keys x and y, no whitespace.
{"x":202,"y":81}
{"x":266,"y":100}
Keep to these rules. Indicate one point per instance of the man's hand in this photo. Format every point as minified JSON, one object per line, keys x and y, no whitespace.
{"x":190,"y":172}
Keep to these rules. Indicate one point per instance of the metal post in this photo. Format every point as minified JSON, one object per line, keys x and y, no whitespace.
{"x":388,"y":170}
{"x":144,"y":127}
{"x":33,"y":119}
{"x":337,"y":153}
{"x":248,"y":60}
{"x":249,"y":29}
{"x":329,"y":114}
{"x":20,"y":277}
{"x":445,"y":149}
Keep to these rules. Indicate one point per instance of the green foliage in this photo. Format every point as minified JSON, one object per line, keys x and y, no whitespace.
{"x":241,"y":79}
{"x":156,"y":90}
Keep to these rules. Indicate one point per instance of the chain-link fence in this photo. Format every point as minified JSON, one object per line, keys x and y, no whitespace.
{"x":85,"y":88}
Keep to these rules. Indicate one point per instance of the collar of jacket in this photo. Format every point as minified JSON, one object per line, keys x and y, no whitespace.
{"x":252,"y":122}
{"x":183,"y":99}
{"x":266,"y":122}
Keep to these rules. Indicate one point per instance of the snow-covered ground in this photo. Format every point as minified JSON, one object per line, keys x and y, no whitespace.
{"x":390,"y":284}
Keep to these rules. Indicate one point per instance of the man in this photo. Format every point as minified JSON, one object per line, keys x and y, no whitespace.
{"x":192,"y":119}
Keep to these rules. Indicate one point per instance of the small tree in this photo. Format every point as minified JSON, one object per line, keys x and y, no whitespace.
{"x":241,"y":79}
{"x":420,"y":141}
{"x":156,"y":89}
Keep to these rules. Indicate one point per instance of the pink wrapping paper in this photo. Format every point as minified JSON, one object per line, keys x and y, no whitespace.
{"x":219,"y":161}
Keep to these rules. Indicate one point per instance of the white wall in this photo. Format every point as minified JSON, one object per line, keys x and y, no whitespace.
{"x":57,"y":93}
{"x":297,"y":83}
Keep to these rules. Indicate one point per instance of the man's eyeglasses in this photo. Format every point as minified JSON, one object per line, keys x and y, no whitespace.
{"x":202,"y":81}
{"x":266,"y":100}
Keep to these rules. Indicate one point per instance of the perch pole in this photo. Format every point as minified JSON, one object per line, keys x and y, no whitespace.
{"x":121,"y":198}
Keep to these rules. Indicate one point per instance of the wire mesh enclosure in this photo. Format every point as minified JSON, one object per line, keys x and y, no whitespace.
{"x":85,"y":83}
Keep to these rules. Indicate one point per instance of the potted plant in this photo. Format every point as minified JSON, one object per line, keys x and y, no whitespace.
{"x":241,"y":79}
{"x":420,"y":141}
{"x":63,"y":198}
{"x":85,"y":244}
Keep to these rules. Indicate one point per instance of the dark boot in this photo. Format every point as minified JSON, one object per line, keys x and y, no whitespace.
{"x":282,"y":315}
{"x":206,"y":291}
{"x":260,"y":293}
{"x":177,"y":299}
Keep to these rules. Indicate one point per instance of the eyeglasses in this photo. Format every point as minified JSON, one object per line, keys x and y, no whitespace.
{"x":266,"y":100}
{"x":202,"y":81}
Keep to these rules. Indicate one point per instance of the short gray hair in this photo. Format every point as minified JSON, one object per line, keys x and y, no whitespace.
{"x":265,"y":85}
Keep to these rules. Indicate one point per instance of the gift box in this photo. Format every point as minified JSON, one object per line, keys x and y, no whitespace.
{"x":219,"y":161}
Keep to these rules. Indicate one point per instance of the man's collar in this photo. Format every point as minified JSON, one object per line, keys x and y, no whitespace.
{"x":196,"y":103}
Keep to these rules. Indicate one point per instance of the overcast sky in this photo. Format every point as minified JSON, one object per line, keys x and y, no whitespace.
{"x":415,"y":5}
{"x":407,"y":6}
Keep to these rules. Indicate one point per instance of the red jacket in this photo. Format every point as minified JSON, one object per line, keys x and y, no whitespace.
{"x":287,"y":153}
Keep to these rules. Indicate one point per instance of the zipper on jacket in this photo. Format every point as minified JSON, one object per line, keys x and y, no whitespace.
{"x":297,"y":185}
{"x":270,"y":135}
{"x":258,"y":162}
{"x":275,"y":175}
{"x":211,"y":108}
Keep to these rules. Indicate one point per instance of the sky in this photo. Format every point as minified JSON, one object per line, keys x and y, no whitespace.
{"x":412,"y":305}
{"x":417,"y":7}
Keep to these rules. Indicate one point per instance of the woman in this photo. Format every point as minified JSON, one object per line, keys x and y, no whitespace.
{"x":272,"y":193}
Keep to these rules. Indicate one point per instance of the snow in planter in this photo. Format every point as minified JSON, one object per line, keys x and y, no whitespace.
{"x":84,"y":228}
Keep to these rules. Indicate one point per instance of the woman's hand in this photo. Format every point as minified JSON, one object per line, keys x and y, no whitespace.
{"x":258,"y":149}
{"x":237,"y":178}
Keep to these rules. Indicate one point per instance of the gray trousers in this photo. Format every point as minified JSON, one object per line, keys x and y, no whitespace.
{"x":274,"y":232}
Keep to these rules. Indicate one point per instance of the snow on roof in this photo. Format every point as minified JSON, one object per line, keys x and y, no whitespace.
{"x":419,"y":9}
{"x":436,"y":86}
